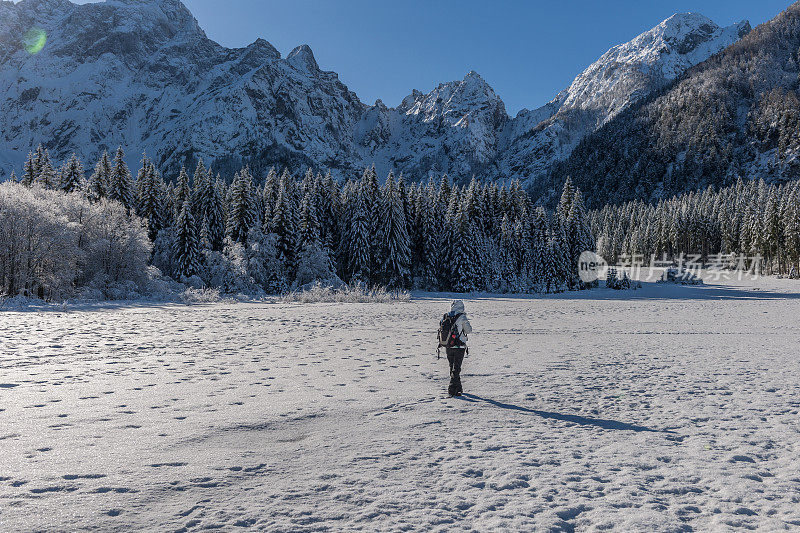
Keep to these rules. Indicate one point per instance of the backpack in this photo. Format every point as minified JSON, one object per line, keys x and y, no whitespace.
{"x":448,"y":332}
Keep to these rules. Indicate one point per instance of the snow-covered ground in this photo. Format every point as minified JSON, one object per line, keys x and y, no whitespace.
{"x":665,"y":409}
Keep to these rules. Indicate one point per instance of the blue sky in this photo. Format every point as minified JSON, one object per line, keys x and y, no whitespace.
{"x":526,"y":50}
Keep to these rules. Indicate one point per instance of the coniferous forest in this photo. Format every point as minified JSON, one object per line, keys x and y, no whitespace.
{"x":276,"y":233}
{"x":749,"y":219}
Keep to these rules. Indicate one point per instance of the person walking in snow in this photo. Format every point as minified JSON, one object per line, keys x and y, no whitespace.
{"x":453,"y":330}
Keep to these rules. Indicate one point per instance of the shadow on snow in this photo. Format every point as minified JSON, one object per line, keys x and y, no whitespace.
{"x":649,"y":291}
{"x":575,"y":419}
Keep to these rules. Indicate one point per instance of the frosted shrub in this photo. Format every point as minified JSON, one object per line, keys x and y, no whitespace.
{"x":54,"y":245}
{"x":314,"y":265}
{"x":228,"y":271}
{"x":117,"y":251}
{"x":194,"y":296}
{"x":358,"y":293}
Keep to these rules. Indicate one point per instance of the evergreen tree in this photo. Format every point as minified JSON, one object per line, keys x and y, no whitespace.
{"x":187,"y":243}
{"x":215,"y":219}
{"x":46,"y":175}
{"x":463,"y":272}
{"x":183,"y":191}
{"x":359,"y":238}
{"x":120,"y":187}
{"x":284,"y":226}
{"x":151,"y":200}
{"x":240,"y":211}
{"x":309,"y":225}
{"x":29,"y":171}
{"x":100,"y":180}
{"x":72,"y":178}
{"x":395,"y":250}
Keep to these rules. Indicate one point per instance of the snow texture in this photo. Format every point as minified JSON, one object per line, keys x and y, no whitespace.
{"x":671,"y":408}
{"x":143,"y":74}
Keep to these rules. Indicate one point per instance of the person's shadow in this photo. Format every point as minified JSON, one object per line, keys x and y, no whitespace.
{"x":575,"y":419}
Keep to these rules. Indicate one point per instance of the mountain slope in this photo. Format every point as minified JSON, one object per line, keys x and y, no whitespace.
{"x":143,"y":74}
{"x":737,"y":113}
{"x":622,"y":76}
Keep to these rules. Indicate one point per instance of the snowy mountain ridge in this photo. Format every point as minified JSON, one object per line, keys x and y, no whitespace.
{"x":623,"y":75}
{"x":144,"y":75}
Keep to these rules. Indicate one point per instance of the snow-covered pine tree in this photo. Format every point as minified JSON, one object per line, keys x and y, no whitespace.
{"x":120,"y":183}
{"x":200,"y":182}
{"x":772,"y":234}
{"x":141,"y":183}
{"x":309,"y":224}
{"x":240,"y":207}
{"x":507,"y":254}
{"x":187,"y":243}
{"x":579,"y":239}
{"x":47,"y":176}
{"x":214,"y":211}
{"x":395,"y":251}
{"x":29,"y":171}
{"x":419,"y":204}
{"x":791,"y":230}
{"x":100,"y":179}
{"x":461,"y":239}
{"x":445,"y":189}
{"x":183,"y":191}
{"x":313,"y":262}
{"x":358,"y":238}
{"x":372,"y":201}
{"x":565,"y":203}
{"x":330,"y":200}
{"x":269,"y":194}
{"x":151,"y":199}
{"x":72,"y":178}
{"x":285,"y":227}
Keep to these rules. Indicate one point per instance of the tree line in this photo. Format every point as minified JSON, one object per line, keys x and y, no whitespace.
{"x":750,"y":218}
{"x":279,"y":232}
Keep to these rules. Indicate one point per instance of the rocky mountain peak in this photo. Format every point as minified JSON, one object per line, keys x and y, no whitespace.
{"x":302,"y":58}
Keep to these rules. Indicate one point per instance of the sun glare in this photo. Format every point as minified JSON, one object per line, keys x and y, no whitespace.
{"x":34,"y":40}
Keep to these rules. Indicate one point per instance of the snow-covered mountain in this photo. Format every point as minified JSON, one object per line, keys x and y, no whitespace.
{"x":143,"y":74}
{"x":534,"y":140}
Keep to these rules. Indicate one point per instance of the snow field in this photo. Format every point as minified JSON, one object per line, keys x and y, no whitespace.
{"x":664,"y":409}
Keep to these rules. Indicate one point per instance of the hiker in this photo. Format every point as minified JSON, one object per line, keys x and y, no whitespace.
{"x":453,"y":330}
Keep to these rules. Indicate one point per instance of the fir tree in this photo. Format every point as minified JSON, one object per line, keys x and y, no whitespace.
{"x":395,"y":251}
{"x":46,"y":175}
{"x":100,"y":180}
{"x":151,"y":200}
{"x":284,"y":226}
{"x":463,"y":272}
{"x":187,"y":244}
{"x":72,"y":178}
{"x":120,"y":186}
{"x":240,"y":211}
{"x":183,"y":191}
{"x":29,"y":171}
{"x":359,"y":238}
{"x":309,"y":224}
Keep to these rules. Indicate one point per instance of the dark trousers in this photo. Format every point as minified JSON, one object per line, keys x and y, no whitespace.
{"x":455,"y":356}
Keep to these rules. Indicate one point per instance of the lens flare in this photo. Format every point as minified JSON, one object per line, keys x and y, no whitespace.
{"x":34,"y":40}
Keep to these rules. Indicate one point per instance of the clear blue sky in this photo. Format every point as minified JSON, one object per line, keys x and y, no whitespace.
{"x":526,"y":50}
